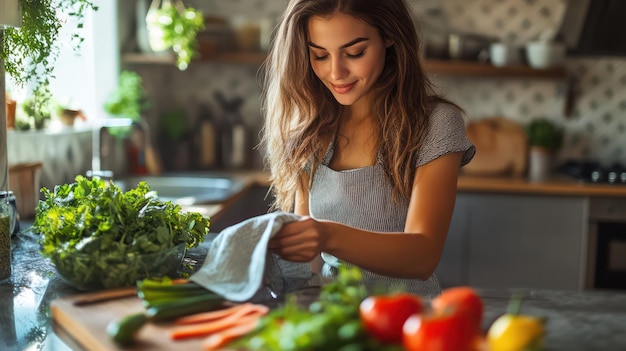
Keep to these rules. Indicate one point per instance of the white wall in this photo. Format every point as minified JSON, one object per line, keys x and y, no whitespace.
{"x":89,"y":76}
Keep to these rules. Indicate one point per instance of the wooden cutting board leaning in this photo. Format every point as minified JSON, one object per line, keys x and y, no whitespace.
{"x":501,"y":147}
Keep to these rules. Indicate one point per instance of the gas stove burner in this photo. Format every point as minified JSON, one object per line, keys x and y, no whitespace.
{"x":593,"y":172}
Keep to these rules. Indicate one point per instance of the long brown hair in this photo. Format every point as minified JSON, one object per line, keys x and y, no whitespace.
{"x":301,"y":115}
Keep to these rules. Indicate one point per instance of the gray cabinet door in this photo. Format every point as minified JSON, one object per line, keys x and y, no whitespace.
{"x":516,"y":241}
{"x":453,"y":266}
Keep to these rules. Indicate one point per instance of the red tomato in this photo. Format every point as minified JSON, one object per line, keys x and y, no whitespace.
{"x":440,"y":332}
{"x":384,"y":315}
{"x":460,"y":299}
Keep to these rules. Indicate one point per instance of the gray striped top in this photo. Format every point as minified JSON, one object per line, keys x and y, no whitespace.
{"x":362,"y":198}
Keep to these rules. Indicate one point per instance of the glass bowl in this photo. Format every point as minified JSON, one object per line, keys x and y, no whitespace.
{"x":97,"y":272}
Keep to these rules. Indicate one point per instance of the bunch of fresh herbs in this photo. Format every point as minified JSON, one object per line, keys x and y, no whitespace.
{"x":330,"y":323}
{"x":89,"y":218}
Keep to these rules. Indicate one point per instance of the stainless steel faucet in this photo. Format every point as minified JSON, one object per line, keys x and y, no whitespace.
{"x":96,"y":145}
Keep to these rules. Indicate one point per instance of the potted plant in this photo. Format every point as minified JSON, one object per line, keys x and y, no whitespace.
{"x":35,"y":111}
{"x":128,"y":100}
{"x":544,"y":139}
{"x":545,"y":134}
{"x":67,"y":112}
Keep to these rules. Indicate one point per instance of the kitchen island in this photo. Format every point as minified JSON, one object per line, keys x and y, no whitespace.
{"x":577,"y":320}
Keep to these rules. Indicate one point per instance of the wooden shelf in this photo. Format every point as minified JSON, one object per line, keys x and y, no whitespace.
{"x":450,"y":68}
{"x":476,"y":69}
{"x":252,"y":57}
{"x":437,"y":67}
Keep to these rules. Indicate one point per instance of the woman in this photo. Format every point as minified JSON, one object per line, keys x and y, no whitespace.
{"x":358,"y":142}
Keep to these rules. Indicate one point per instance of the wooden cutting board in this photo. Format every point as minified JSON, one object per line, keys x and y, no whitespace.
{"x":84,"y":319}
{"x":501,"y":147}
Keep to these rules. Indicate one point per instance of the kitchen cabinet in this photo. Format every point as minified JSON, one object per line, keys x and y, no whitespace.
{"x":516,"y":240}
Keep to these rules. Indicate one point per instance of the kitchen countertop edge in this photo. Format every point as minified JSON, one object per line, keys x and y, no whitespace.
{"x":556,"y":185}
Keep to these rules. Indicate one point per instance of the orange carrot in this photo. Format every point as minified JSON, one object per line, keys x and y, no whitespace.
{"x":180,"y":281}
{"x":211,"y":315}
{"x":208,"y":328}
{"x":220,"y":339}
{"x":240,"y":316}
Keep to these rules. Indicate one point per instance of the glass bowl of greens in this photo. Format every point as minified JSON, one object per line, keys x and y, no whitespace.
{"x":100,"y":237}
{"x":97,"y":271}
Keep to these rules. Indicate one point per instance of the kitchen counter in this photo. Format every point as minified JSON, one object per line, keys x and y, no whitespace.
{"x":557,"y":185}
{"x":588,"y":320}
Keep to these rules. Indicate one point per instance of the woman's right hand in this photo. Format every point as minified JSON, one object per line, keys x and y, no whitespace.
{"x":299,"y":241}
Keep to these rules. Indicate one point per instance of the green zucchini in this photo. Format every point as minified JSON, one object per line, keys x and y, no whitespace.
{"x":175,"y":308}
{"x":123,"y":330}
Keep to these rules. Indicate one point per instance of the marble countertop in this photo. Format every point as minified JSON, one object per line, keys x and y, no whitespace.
{"x":577,"y":320}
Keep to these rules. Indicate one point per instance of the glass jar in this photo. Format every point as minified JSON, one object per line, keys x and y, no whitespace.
{"x":7,"y":225}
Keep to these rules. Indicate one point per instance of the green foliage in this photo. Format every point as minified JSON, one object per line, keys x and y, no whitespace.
{"x":331,"y":323}
{"x":544,"y":133}
{"x":173,"y":124}
{"x":106,"y":224}
{"x":30,"y":52}
{"x":176,"y":27}
{"x":36,"y":110}
{"x":129,"y":98}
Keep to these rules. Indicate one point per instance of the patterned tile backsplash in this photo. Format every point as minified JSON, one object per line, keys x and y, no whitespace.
{"x":596,"y":129}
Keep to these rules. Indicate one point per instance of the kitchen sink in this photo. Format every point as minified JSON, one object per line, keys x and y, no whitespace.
{"x":186,"y":190}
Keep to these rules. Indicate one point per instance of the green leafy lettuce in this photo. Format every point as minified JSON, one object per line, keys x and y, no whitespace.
{"x":90,"y":218}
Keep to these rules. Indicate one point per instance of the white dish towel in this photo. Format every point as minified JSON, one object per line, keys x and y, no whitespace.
{"x":238,"y":263}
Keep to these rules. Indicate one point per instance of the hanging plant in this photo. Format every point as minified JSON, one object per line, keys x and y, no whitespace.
{"x":171,"y":25}
{"x":30,"y":52}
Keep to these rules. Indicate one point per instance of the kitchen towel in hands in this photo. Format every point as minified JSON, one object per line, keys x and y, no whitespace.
{"x":238,"y":263}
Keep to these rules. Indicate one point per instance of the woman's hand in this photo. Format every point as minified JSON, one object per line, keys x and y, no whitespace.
{"x":299,"y":241}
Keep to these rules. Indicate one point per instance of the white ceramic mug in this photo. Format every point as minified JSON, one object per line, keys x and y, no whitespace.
{"x":504,"y":54}
{"x":545,"y":54}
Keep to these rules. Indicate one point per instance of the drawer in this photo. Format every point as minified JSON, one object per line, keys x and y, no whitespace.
{"x":607,"y":208}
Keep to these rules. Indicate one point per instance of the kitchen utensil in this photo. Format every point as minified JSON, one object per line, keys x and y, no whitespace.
{"x":467,"y":46}
{"x":234,"y":133}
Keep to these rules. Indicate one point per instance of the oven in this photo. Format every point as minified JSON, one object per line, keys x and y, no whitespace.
{"x":606,"y":264}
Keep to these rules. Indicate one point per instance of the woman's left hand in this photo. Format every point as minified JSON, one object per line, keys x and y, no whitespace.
{"x":299,"y":241}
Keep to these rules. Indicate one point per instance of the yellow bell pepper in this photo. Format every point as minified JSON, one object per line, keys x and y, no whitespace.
{"x":515,"y":332}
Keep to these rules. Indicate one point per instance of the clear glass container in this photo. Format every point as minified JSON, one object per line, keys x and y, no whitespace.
{"x":7,"y":224}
